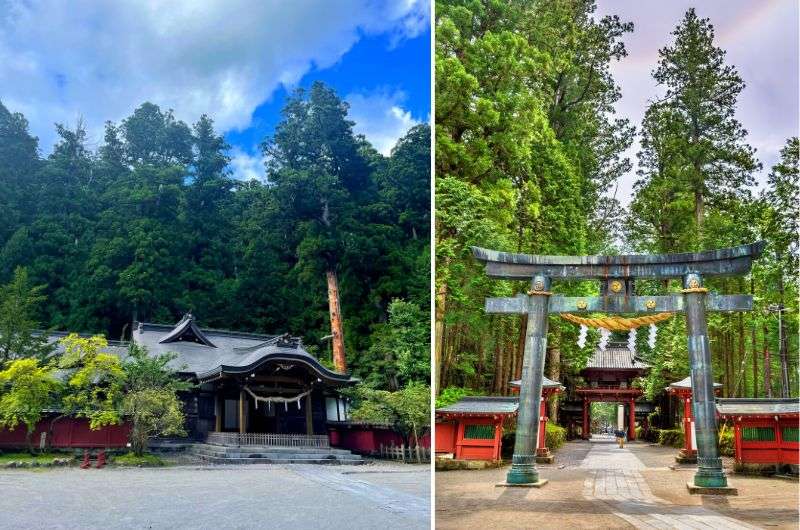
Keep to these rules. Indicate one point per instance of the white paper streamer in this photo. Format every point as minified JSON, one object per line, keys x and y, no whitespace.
{"x":604,"y":335}
{"x":651,"y":338}
{"x":632,"y":340}
{"x":582,"y":336}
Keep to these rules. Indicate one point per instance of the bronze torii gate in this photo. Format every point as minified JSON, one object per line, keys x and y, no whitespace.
{"x":617,"y":275}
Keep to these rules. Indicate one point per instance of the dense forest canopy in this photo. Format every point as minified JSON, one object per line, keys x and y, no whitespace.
{"x":151,"y":225}
{"x":528,"y":146}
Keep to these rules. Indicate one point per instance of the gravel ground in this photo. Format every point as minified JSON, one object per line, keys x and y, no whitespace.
{"x":376,"y":495}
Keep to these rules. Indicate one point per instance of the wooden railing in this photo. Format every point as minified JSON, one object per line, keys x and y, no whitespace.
{"x":267,"y":439}
{"x":406,"y":454}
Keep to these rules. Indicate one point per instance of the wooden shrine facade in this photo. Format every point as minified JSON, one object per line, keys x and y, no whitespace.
{"x":683,"y":391}
{"x":609,"y":375}
{"x":249,"y":384}
{"x":765,"y":432}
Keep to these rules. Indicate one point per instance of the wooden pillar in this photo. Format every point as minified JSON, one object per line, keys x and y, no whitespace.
{"x":498,"y":438}
{"x":242,"y":412}
{"x":585,"y":429}
{"x":632,"y":421}
{"x":542,"y":445}
{"x":217,"y":412}
{"x":310,"y":415}
{"x":687,"y":424}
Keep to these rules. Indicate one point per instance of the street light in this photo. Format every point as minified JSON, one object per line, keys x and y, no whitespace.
{"x":776,"y":308}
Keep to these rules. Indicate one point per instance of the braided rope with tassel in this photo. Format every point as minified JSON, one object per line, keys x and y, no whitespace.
{"x":615,"y":323}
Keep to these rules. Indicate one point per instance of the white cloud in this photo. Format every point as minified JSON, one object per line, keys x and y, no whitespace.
{"x":380,"y":117}
{"x":245,"y":166}
{"x":64,"y":58}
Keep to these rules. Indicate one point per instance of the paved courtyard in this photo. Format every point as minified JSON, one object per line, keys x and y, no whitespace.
{"x":377,"y":495}
{"x":597,"y":485}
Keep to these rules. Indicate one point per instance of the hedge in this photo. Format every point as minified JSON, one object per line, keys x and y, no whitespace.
{"x":554,"y":436}
{"x":671,"y":437}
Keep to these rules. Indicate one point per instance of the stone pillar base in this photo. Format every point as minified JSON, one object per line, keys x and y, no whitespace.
{"x":686,"y":457}
{"x":521,"y":474}
{"x":707,"y":490}
{"x":537,"y":484}
{"x":544,"y":456}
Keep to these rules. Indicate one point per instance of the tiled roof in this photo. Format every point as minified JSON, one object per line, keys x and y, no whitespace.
{"x":226,"y":351}
{"x":745,"y":406}
{"x":483,"y":405}
{"x":615,"y":358}
{"x":546,"y":383}
{"x":687,"y":383}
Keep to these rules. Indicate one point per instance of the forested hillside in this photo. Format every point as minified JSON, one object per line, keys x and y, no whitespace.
{"x":529,"y":150}
{"x":150,"y":225}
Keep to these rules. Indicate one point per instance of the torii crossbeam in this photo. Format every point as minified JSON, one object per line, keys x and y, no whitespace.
{"x":617,"y":275}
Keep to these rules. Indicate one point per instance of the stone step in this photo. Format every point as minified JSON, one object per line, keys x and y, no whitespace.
{"x":233,"y":451}
{"x":278,"y":456}
{"x":244,"y":461}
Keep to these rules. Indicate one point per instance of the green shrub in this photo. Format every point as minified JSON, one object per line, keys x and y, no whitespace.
{"x":130,"y":459}
{"x":726,"y":440}
{"x":453,"y":394}
{"x":554,"y":436}
{"x":671,"y":437}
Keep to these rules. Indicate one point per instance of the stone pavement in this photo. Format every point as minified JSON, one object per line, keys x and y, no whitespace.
{"x":377,"y":495}
{"x":597,"y":485}
{"x":616,"y":481}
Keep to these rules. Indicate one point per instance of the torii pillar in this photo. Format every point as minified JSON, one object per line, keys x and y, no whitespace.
{"x":617,"y":275}
{"x":683,"y":390}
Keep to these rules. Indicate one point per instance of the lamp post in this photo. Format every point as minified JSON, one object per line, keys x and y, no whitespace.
{"x":776,"y":308}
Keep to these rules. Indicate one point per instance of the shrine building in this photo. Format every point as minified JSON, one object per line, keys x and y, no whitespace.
{"x":609,"y":376}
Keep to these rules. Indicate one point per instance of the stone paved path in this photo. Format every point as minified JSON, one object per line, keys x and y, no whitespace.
{"x":615,"y":481}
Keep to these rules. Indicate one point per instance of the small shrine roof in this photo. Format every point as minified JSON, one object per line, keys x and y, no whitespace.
{"x":757,"y":406}
{"x":546,"y":383}
{"x":687,"y":383}
{"x":615,"y":358}
{"x":482,"y":405}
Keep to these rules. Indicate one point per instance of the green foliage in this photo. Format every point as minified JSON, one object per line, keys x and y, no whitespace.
{"x":38,"y":458}
{"x":402,"y":346}
{"x":152,"y":225}
{"x":19,"y":301}
{"x":453,"y":394}
{"x":151,"y":402}
{"x":527,"y":145}
{"x":726,"y":440}
{"x":554,"y":436}
{"x":95,"y":387}
{"x":671,"y":437}
{"x":408,"y":410}
{"x":134,"y":460}
{"x":26,"y":390}
{"x":152,"y":412}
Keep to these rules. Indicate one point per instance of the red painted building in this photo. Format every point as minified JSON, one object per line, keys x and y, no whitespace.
{"x":609,"y":375}
{"x":67,"y":433}
{"x":683,"y":390}
{"x":472,"y":429}
{"x":367,"y":438}
{"x":765,"y":430}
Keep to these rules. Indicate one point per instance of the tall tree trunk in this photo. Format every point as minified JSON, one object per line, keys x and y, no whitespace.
{"x":782,"y":336}
{"x":740,"y":360}
{"x":767,"y":365}
{"x":523,"y":327}
{"x":441,"y":301}
{"x":753,"y":343}
{"x":339,"y":358}
{"x":554,"y":373}
{"x":498,"y":361}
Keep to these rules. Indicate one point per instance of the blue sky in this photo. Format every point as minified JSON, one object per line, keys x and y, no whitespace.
{"x":375,"y":76}
{"x":236,"y":60}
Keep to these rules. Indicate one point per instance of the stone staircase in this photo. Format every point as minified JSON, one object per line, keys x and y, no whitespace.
{"x":254,"y":454}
